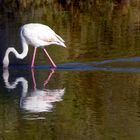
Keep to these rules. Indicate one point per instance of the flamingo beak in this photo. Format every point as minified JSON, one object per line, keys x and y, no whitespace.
{"x":62,"y":44}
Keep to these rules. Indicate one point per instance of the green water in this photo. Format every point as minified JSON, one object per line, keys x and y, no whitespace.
{"x":93,"y":94}
{"x":95,"y":105}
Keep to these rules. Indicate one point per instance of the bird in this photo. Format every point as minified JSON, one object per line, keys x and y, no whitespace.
{"x":34,"y":100}
{"x":36,"y":35}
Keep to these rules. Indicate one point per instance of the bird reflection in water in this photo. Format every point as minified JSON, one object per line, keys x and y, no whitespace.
{"x":39,"y":100}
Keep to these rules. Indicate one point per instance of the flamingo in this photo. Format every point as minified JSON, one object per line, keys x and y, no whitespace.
{"x":36,"y":35}
{"x":38,"y":100}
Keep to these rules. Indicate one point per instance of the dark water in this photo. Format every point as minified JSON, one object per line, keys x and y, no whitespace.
{"x":95,"y":91}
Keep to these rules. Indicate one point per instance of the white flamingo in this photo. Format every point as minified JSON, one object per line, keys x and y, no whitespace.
{"x":39,"y":100}
{"x":37,"y":35}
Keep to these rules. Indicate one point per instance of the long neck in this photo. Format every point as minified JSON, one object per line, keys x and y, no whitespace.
{"x":18,"y":55}
{"x":23,"y":81}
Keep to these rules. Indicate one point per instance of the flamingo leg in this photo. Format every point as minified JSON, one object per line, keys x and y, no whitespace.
{"x":33,"y":58}
{"x":33,"y":79}
{"x":49,"y":77}
{"x":49,"y":58}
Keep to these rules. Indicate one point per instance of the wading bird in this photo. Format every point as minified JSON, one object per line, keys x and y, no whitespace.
{"x":38,"y":36}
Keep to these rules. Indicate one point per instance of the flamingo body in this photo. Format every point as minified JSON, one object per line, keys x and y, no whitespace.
{"x":37,"y":35}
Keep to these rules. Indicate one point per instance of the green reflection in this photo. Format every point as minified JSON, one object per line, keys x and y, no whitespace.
{"x":109,"y":30}
{"x":96,"y":105}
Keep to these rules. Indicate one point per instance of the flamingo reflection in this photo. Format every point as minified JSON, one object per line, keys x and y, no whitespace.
{"x":39,"y":100}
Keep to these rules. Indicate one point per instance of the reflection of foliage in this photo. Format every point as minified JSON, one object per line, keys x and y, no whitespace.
{"x":13,"y":5}
{"x":94,"y":29}
{"x":17,"y":4}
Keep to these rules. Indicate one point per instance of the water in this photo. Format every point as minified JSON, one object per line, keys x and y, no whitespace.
{"x":94,"y":92}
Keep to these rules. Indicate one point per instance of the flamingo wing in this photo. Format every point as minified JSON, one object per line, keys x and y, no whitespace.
{"x":41,"y":35}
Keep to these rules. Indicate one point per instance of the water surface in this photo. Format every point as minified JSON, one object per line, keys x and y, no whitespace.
{"x":94,"y":92}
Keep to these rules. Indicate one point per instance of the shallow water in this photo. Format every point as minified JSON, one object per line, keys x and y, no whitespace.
{"x":55,"y":104}
{"x":94,"y":92}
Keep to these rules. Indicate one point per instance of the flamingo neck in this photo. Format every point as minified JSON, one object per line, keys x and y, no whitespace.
{"x":21,"y":80}
{"x":14,"y":51}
